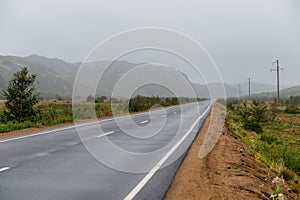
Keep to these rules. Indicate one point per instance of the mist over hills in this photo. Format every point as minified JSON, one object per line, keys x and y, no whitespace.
{"x":284,"y":93}
{"x":56,"y":77}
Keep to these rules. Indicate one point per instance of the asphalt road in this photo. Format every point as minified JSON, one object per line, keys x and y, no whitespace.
{"x":56,"y":164}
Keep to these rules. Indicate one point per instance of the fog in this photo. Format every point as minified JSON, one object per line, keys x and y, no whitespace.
{"x":242,"y":37}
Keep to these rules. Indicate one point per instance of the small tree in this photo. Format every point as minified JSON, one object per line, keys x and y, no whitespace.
{"x":253,"y":116}
{"x":20,"y":97}
{"x":90,"y":98}
{"x":292,"y":105}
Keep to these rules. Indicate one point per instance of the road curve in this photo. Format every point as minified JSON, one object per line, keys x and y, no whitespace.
{"x":56,"y":164}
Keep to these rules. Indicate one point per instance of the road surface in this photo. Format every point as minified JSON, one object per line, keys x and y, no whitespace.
{"x":56,"y":164}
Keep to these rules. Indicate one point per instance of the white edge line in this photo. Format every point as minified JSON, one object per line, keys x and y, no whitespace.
{"x":4,"y":169}
{"x":46,"y":132}
{"x":143,"y":182}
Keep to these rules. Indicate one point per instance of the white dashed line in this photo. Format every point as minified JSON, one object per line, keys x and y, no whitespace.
{"x":163,"y":116}
{"x":108,"y":133}
{"x":143,"y":182}
{"x":75,"y":126}
{"x":143,"y":122}
{"x":4,"y":169}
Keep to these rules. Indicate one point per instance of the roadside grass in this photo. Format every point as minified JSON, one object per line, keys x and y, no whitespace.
{"x":10,"y":126}
{"x":51,"y":113}
{"x":276,"y":144}
{"x":57,"y":113}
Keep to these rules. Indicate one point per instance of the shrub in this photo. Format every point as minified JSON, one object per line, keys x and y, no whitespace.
{"x":286,"y":174}
{"x":291,"y":109}
{"x":293,"y":105}
{"x":253,"y":116}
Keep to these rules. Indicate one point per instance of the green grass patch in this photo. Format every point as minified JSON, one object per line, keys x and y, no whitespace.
{"x":278,"y":140}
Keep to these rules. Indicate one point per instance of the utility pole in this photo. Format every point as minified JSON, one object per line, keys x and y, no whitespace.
{"x":277,"y":70}
{"x":239,"y":90}
{"x":249,"y":85}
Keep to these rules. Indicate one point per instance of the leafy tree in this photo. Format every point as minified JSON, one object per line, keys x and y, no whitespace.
{"x":90,"y":98}
{"x":20,"y":97}
{"x":100,"y":99}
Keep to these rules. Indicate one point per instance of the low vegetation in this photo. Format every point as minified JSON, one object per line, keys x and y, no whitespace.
{"x":272,"y":132}
{"x":56,"y":112}
{"x":21,"y":109}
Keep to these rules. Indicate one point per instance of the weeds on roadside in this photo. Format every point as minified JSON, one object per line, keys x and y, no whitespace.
{"x":276,"y":144}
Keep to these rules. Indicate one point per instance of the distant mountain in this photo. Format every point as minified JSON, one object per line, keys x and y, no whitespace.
{"x":284,"y":93}
{"x":292,"y":91}
{"x":255,"y":87}
{"x":56,"y":77}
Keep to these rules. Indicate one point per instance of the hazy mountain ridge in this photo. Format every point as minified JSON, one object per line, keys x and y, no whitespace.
{"x":56,"y":77}
{"x":284,"y":93}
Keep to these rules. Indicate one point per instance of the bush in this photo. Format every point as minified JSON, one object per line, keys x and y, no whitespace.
{"x":293,"y":105}
{"x":103,"y":109}
{"x":141,"y":103}
{"x":291,"y":109}
{"x":230,"y":106}
{"x":253,"y":116}
{"x":286,"y":174}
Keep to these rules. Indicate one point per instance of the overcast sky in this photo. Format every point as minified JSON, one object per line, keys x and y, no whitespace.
{"x":243,"y":37}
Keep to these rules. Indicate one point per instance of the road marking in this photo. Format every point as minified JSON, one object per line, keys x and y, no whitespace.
{"x":79,"y":125}
{"x":143,"y":182}
{"x":4,"y":169}
{"x":47,"y":132}
{"x":108,"y":133}
{"x":41,"y":154}
{"x":175,"y":113}
{"x":163,"y":116}
{"x":143,"y":122}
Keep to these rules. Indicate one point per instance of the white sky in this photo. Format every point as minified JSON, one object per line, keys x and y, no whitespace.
{"x":243,"y":37}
